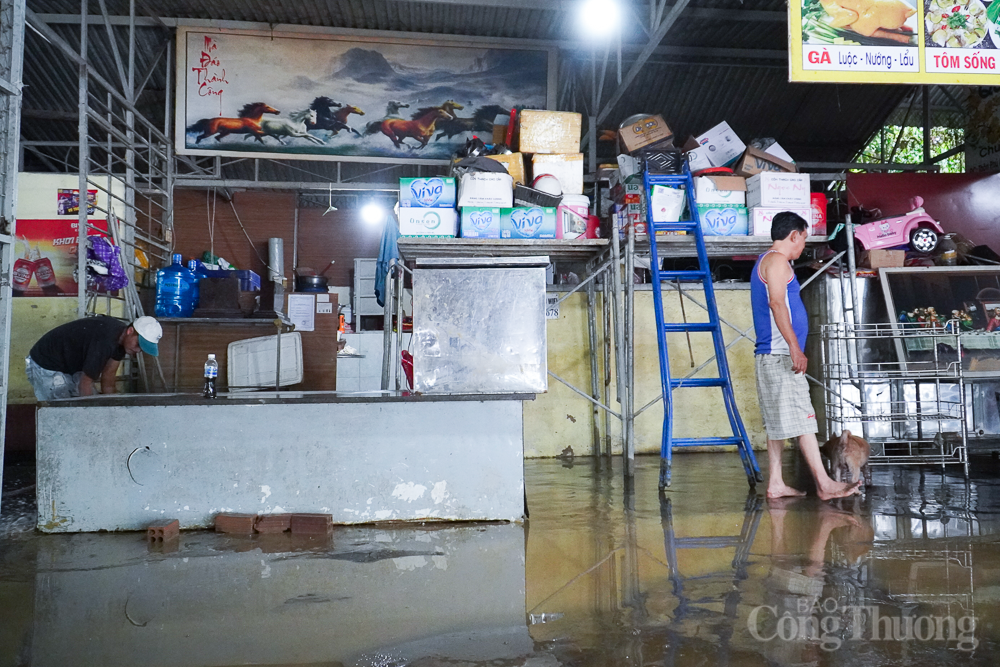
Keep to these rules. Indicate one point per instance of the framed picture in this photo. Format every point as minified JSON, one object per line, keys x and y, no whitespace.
{"x":323,"y":95}
{"x":968,"y":296}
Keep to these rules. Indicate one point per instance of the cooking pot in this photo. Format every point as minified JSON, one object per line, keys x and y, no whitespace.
{"x":310,"y":283}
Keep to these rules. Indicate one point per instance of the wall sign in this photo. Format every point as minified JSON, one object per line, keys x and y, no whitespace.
{"x":895,"y":41}
{"x":329,"y":96}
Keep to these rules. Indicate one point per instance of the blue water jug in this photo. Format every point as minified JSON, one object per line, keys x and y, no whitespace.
{"x":199,"y":271}
{"x":175,"y":290}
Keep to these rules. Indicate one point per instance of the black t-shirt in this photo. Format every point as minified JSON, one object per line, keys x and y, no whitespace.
{"x":82,"y":345}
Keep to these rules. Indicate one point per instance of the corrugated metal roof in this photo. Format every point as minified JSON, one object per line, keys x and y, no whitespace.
{"x":693,"y":90}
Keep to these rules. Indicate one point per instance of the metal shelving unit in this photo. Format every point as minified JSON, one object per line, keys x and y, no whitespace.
{"x":911,"y":410}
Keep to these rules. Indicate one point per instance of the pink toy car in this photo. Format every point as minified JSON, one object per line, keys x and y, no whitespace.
{"x":916,"y":228}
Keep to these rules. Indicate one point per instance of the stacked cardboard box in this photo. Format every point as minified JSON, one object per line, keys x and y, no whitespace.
{"x":722,"y":205}
{"x":770,"y":193}
{"x":427,"y":207}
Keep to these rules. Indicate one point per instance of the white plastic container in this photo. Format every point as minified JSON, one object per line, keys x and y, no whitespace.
{"x":251,"y":362}
{"x":571,"y":217}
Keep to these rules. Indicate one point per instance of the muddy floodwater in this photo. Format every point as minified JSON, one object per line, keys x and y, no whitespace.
{"x":603,"y":572}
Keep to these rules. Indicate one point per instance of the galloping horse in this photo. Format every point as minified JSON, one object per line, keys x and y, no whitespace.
{"x":392,"y":108}
{"x":336,"y":121}
{"x":296,"y":127}
{"x":482,"y":121}
{"x":421,"y":127}
{"x":247,"y":122}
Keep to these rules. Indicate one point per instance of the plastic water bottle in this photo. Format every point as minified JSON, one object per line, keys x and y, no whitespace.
{"x":175,"y":290}
{"x":196,"y":295}
{"x":211,"y":373}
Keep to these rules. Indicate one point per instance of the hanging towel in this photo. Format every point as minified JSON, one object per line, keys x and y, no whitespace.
{"x":387,"y":251}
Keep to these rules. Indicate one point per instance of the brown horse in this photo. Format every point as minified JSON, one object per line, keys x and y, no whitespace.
{"x":246,"y":122}
{"x":421,"y":127}
{"x":337,"y":121}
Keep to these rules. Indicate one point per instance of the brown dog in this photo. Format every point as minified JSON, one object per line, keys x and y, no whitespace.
{"x":848,"y":455}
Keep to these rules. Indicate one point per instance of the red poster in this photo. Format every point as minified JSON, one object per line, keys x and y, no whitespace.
{"x":45,"y":256}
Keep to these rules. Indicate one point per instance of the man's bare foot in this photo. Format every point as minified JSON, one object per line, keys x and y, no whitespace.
{"x":838,"y":490}
{"x":783,"y":491}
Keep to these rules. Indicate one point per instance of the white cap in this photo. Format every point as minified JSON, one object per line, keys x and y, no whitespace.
{"x":150,"y":332}
{"x":211,"y":356}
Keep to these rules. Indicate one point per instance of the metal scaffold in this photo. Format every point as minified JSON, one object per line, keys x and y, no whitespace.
{"x":123,"y":156}
{"x":11,"y":58}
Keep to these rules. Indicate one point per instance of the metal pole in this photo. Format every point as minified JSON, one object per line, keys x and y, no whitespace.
{"x":925,"y":94}
{"x":856,"y":319}
{"x":617,"y":296}
{"x":82,"y":130}
{"x":386,"y":324}
{"x":594,"y":390}
{"x":398,"y":329}
{"x":277,"y":357}
{"x":606,"y":337}
{"x":629,"y":413}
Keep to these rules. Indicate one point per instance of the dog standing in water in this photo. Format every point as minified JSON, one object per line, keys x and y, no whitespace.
{"x":848,"y":455}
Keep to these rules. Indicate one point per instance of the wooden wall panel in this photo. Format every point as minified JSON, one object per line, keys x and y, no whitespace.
{"x":339,"y":235}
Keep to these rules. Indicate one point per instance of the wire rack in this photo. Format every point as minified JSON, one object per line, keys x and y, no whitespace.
{"x":902,"y":386}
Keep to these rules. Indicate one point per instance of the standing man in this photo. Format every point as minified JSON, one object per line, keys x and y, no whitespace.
{"x":67,"y":361}
{"x":781,"y":326}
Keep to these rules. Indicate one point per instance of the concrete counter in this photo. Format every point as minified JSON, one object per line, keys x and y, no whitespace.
{"x":121,"y":462}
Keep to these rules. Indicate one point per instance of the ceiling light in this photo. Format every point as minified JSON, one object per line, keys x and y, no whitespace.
{"x":599,"y":18}
{"x":373,"y":213}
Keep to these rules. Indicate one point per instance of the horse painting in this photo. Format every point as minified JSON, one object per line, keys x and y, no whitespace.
{"x":332,"y":121}
{"x":481,"y":121}
{"x":392,"y":108}
{"x":296,"y":127}
{"x":247,"y":122}
{"x":421,"y":127}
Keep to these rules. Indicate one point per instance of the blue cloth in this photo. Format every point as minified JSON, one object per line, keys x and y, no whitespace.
{"x":769,"y":338}
{"x":387,"y":251}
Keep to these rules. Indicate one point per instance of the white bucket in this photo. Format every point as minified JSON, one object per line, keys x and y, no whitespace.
{"x":571,"y":217}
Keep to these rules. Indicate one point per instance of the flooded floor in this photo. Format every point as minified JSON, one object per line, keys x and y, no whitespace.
{"x":603,"y":573}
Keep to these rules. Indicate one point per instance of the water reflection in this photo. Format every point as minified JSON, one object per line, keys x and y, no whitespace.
{"x":604,"y":573}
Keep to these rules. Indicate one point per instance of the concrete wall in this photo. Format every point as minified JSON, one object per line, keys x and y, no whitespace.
{"x":561,"y":418}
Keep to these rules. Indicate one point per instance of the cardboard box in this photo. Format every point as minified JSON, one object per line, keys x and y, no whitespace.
{"x":777,"y":151}
{"x":666,"y":203}
{"x":723,"y":220}
{"x":428,"y":221}
{"x":774,"y":190}
{"x":884,"y":259}
{"x":728,"y":190}
{"x":550,"y":131}
{"x":697,"y":155}
{"x":528,"y":223}
{"x":761,"y":218}
{"x":644,"y":132}
{"x":489,"y":189}
{"x":435,"y":192}
{"x":514,"y":162}
{"x":568,"y":168}
{"x":480,"y":223}
{"x":722,"y":145}
{"x":755,"y":161}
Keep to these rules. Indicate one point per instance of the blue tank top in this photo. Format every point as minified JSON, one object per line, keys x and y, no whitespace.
{"x":769,"y":338}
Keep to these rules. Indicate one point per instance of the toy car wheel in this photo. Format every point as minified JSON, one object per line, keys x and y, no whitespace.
{"x":923,"y":239}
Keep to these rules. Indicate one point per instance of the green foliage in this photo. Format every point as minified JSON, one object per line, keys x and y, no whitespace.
{"x":910,"y":148}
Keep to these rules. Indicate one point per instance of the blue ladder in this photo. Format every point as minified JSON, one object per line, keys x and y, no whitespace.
{"x":703,"y":275}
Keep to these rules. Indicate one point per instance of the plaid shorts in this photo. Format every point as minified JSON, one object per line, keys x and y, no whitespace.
{"x":784,"y":398}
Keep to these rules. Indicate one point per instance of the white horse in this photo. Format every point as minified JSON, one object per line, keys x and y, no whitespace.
{"x":296,"y":127}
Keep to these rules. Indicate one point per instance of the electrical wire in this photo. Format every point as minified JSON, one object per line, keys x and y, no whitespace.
{"x":249,"y":240}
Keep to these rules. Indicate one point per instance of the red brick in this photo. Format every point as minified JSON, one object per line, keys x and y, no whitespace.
{"x":235,"y":523}
{"x":311,"y":524}
{"x":163,"y":531}
{"x":273,"y":523}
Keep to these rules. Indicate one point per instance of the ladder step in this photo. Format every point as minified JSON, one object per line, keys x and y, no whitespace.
{"x":684,"y":327}
{"x":697,"y":382}
{"x":681,"y":226}
{"x":721,"y":542}
{"x":667,"y":179}
{"x":706,"y":442}
{"x":682,"y":275}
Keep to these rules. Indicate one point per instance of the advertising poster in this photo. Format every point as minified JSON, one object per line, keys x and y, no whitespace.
{"x":982,"y":132}
{"x":895,"y":41}
{"x":316,"y":96}
{"x":45,"y":256}
{"x":68,"y":202}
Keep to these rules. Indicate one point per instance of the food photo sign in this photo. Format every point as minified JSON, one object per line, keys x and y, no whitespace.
{"x":324,"y":95}
{"x":895,"y":41}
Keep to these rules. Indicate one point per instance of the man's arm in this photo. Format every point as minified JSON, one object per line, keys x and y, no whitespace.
{"x":108,"y":377}
{"x":86,"y":386}
{"x":777,"y":272}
